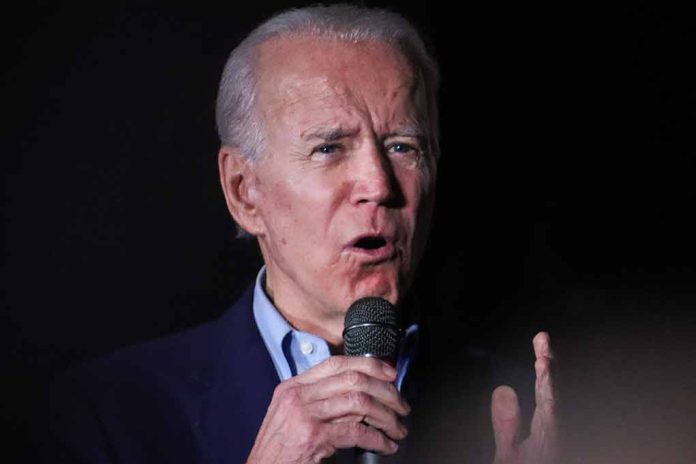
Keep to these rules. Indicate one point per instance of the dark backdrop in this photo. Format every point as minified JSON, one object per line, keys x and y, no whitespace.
{"x":565,"y":197}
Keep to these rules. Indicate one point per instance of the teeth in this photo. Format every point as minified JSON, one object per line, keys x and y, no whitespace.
{"x":371,"y":243}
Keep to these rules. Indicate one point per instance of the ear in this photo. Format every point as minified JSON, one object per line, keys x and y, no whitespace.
{"x":239,"y":181}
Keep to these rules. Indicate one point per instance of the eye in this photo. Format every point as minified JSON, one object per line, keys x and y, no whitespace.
{"x":327,"y":149}
{"x":403,"y":148}
{"x":407,"y":154}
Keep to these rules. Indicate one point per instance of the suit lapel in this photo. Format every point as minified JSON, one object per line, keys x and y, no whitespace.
{"x":243,"y":382}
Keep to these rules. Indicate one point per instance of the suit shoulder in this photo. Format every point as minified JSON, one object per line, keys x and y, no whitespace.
{"x":131,"y":404}
{"x":174,"y":361}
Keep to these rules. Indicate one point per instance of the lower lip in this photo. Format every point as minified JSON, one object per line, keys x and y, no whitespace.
{"x":384,"y":253}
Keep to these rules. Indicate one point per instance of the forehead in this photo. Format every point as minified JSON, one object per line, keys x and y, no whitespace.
{"x":300,"y":74}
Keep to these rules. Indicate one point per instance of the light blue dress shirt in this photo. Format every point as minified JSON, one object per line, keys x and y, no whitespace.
{"x":294,"y":351}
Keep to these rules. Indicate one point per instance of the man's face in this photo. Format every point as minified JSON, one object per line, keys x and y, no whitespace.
{"x":345,"y":185}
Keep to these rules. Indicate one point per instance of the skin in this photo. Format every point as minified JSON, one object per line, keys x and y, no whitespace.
{"x":310,"y":195}
{"x":345,"y":155}
{"x":541,"y":446}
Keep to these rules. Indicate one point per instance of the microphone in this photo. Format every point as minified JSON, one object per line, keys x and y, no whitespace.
{"x":372,"y":330}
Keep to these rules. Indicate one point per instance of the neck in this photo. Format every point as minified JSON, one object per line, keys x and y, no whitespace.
{"x":304,"y":315}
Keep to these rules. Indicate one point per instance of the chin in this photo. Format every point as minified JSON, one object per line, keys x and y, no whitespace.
{"x":380,"y":287}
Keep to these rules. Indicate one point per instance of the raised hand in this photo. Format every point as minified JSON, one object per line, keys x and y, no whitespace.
{"x":541,"y":447}
{"x":344,"y":402}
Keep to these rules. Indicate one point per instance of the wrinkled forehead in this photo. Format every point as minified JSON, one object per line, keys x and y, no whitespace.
{"x":300,"y":71}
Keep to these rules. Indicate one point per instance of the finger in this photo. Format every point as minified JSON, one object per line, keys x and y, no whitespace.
{"x":356,"y":434}
{"x":360,"y":407}
{"x":543,"y":437}
{"x":505,"y":415}
{"x":338,"y":364}
{"x":355,"y":381}
{"x":542,"y":345}
{"x":544,"y":421}
{"x":544,"y":388}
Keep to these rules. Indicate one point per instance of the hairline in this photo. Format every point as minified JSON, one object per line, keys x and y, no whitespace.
{"x":319,"y":23}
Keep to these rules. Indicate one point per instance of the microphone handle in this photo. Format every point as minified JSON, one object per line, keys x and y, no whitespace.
{"x":366,"y":457}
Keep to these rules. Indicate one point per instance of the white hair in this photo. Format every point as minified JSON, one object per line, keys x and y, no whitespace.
{"x":238,"y":123}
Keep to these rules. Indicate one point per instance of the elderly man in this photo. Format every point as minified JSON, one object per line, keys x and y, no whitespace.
{"x":328,"y":122}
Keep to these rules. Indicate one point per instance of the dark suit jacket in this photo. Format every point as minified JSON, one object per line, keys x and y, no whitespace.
{"x":195,"y":397}
{"x":199,"y":397}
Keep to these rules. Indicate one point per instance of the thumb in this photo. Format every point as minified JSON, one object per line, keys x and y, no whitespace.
{"x":505,"y":415}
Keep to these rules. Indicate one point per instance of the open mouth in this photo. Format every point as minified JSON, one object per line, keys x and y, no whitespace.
{"x":371,"y":243}
{"x":373,"y":248}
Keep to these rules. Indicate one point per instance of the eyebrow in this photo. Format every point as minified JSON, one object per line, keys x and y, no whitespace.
{"x":333,"y":133}
{"x":328,"y":133}
{"x":411,"y":130}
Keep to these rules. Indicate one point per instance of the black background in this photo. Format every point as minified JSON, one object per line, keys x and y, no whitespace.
{"x":565,"y":197}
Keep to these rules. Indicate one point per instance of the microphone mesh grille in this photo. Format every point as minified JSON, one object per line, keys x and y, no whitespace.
{"x":381,"y":339}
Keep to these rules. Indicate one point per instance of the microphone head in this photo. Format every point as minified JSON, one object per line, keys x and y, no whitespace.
{"x":372,"y":329}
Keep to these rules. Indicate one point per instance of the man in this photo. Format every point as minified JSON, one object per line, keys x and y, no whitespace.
{"x":328,"y":122}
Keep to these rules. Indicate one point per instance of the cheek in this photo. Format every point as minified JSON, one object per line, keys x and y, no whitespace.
{"x":277,"y":211}
{"x":301,"y":209}
{"x":420,"y":199}
{"x":418,"y":192}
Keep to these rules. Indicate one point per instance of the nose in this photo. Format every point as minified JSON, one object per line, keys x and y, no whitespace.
{"x":374,"y":180}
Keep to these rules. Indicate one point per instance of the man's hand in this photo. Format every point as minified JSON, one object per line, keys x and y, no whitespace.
{"x":541,"y":447}
{"x":344,"y":402}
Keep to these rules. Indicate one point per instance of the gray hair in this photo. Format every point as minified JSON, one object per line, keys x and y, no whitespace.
{"x":238,"y":123}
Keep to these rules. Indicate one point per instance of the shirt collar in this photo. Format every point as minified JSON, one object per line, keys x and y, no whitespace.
{"x":278,"y":335}
{"x":272,"y":325}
